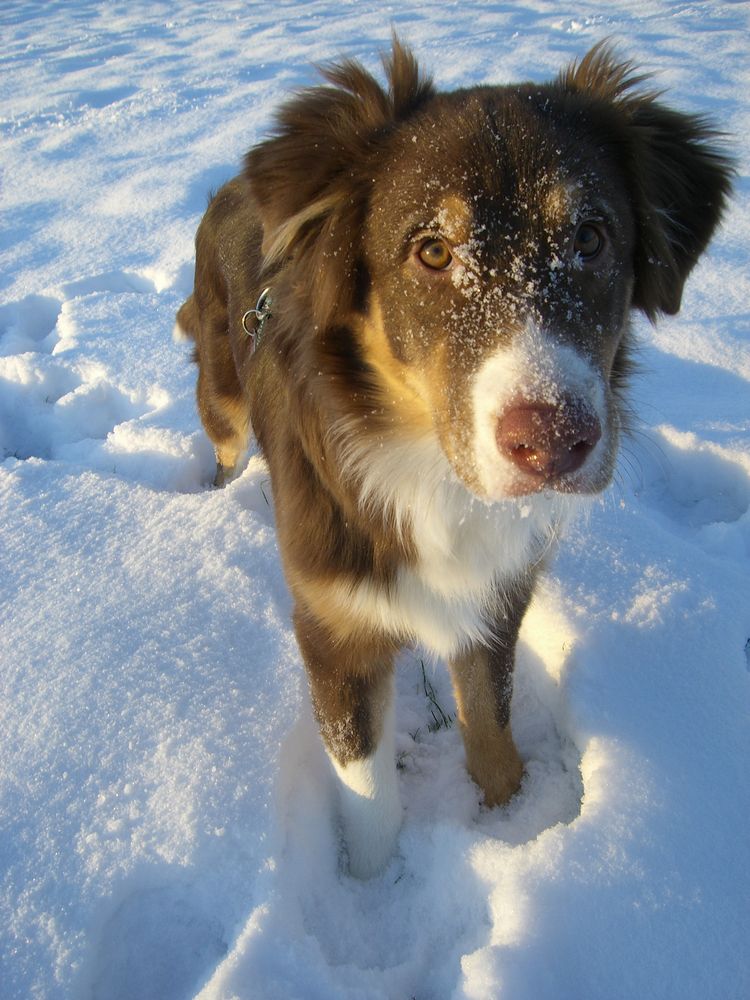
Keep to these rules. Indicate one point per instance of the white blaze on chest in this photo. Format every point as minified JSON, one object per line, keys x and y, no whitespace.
{"x":468,"y":555}
{"x":467,"y":552}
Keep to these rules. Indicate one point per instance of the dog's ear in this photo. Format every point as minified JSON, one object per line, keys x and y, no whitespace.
{"x":681,"y":183}
{"x":679,"y":178}
{"x":310,"y":180}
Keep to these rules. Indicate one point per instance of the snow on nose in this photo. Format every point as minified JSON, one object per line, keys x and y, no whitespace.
{"x":547,"y":441}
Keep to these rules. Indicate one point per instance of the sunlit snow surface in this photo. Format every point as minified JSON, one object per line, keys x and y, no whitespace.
{"x":167,"y":818}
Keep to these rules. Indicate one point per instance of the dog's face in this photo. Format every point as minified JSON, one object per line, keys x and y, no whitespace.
{"x":485,"y":249}
{"x":500,"y":246}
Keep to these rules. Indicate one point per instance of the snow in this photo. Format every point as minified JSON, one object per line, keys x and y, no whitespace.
{"x":167,"y":822}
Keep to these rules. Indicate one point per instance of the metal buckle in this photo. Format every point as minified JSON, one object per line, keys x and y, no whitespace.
{"x":260,"y":314}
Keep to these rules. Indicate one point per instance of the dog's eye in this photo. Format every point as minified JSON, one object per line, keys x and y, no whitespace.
{"x":588,"y":241}
{"x":434,"y":253}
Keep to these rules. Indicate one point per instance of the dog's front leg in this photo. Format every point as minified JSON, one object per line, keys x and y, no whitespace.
{"x":483,"y":682}
{"x":351,"y":683}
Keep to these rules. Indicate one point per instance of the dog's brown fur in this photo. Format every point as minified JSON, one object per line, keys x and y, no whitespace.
{"x":369,"y":355}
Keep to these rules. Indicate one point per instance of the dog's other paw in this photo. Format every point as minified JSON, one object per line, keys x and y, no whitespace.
{"x":224,"y":474}
{"x":499,"y":774}
{"x":503,"y":787}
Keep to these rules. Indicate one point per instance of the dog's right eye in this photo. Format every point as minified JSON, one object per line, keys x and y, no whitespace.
{"x":434,"y":253}
{"x":588,"y":242}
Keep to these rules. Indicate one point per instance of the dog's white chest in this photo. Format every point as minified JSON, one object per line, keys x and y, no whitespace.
{"x":466,"y":560}
{"x":468,"y":553}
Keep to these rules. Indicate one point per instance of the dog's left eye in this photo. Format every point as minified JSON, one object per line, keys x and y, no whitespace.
{"x":434,"y":253}
{"x":588,"y":242}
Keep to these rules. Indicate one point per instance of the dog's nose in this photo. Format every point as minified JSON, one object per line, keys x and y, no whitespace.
{"x":548,"y":441}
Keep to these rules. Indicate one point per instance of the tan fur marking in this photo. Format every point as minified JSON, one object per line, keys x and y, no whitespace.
{"x":491,"y":756}
{"x":331,"y":603}
{"x":559,"y":204}
{"x":405,"y":387}
{"x":494,"y":764}
{"x":455,"y":218}
{"x":227,"y":419}
{"x":228,"y":455}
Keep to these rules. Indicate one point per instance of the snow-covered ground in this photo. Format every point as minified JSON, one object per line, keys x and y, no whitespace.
{"x":166,"y":813}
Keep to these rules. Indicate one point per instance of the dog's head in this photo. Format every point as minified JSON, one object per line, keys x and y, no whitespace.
{"x":482,"y":250}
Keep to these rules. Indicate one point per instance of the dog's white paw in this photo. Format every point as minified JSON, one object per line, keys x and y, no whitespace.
{"x":370,"y":805}
{"x":371,"y":827}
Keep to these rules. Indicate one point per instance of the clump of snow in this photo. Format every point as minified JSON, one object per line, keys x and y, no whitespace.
{"x":167,"y":814}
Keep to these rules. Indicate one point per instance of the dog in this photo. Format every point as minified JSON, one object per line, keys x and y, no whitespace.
{"x":419,"y":303}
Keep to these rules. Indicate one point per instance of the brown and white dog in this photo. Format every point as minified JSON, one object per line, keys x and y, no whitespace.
{"x":440,"y":380}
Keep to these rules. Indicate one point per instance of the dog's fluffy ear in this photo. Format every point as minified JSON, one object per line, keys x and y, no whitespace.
{"x":681,"y":186}
{"x":679,"y":178}
{"x":310,"y":180}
